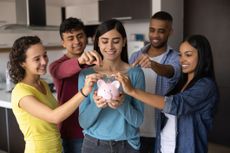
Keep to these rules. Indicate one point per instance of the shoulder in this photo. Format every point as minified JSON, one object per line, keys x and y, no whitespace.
{"x":206,"y":83}
{"x":135,"y":72}
{"x":21,"y":87}
{"x":205,"y":87}
{"x":86,"y":71}
{"x":136,"y":54}
{"x":61,"y":59}
{"x":20,"y":90}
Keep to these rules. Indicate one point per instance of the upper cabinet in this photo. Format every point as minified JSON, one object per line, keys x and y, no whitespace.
{"x":125,"y":9}
{"x":8,"y":12}
{"x":87,"y":12}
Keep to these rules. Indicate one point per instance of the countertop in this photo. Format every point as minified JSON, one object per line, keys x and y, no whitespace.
{"x":5,"y":97}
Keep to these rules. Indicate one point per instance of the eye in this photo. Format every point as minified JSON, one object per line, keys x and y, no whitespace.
{"x":104,"y":41}
{"x":161,"y":31}
{"x":116,"y":41}
{"x":80,"y":36}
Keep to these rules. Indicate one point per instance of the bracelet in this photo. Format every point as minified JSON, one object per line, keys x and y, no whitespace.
{"x":83,"y":93}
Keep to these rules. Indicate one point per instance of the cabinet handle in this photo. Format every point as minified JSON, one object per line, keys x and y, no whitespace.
{"x":123,"y":18}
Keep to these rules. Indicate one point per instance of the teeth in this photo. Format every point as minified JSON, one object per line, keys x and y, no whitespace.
{"x":155,"y":41}
{"x":184,"y":65}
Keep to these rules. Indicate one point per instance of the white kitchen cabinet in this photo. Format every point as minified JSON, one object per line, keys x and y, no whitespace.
{"x":7,"y":39}
{"x":53,"y":15}
{"x":88,"y":12}
{"x":8,"y":12}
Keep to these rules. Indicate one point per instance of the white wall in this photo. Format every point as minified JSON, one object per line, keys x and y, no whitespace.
{"x":4,"y":56}
{"x":175,"y":8}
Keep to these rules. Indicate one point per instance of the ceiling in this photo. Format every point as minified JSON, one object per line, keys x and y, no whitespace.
{"x":62,"y":2}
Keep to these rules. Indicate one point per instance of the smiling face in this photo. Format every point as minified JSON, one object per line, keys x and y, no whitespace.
{"x":75,"y":42}
{"x":36,"y":60}
{"x":188,"y":59}
{"x":159,"y":31}
{"x":111,"y":44}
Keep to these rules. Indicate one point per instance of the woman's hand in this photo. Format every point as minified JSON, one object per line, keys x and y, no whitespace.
{"x":89,"y":82}
{"x":116,"y":102}
{"x":125,"y":82}
{"x":100,"y":102}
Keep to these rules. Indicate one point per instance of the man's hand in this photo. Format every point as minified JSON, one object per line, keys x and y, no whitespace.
{"x":90,"y":58}
{"x":144,"y":61}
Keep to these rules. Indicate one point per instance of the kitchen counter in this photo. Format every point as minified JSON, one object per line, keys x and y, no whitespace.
{"x":5,"y":97}
{"x":12,"y":140}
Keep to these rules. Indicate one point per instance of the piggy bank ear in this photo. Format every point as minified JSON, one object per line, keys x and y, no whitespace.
{"x":116,"y":84}
{"x":100,"y":82}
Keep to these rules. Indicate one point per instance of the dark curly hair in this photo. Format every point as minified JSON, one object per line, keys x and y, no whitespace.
{"x":18,"y":55}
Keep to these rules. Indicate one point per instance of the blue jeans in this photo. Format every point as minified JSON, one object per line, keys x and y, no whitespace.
{"x":72,"y":145}
{"x":93,"y":145}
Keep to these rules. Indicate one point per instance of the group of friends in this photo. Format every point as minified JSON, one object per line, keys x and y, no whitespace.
{"x":166,"y":103}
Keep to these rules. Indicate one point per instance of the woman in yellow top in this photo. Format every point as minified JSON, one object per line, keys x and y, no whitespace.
{"x":33,"y":104}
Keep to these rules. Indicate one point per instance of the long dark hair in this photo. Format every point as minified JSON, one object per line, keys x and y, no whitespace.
{"x":18,"y":55}
{"x":204,"y":66}
{"x":107,"y":26}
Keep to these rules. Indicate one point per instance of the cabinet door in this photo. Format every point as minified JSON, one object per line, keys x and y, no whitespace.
{"x":88,"y":13}
{"x":17,"y":143}
{"x":3,"y":130}
{"x":124,"y":9}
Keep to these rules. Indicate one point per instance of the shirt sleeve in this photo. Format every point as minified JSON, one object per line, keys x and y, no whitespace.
{"x":174,"y":62}
{"x":64,"y":67}
{"x":18,"y":93}
{"x":201,"y":96}
{"x":132,"y":109}
{"x":88,"y":105}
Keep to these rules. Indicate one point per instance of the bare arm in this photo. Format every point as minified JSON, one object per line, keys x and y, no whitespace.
{"x":147,"y":98}
{"x":31,"y":105}
{"x":161,"y":69}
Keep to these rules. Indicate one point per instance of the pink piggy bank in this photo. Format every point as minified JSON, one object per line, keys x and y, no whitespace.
{"x":109,"y":91}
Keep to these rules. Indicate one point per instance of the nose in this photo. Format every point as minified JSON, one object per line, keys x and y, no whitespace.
{"x":44,"y":60}
{"x":111,"y":45}
{"x":181,"y":59}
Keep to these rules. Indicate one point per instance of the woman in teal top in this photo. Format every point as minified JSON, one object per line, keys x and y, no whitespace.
{"x":111,"y":126}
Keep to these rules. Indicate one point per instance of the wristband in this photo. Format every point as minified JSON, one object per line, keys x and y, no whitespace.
{"x":83,"y":93}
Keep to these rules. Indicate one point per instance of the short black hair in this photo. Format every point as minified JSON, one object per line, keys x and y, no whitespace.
{"x":162,"y":15}
{"x":71,"y":24}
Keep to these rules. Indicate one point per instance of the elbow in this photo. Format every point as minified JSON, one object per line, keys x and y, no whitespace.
{"x":55,"y":119}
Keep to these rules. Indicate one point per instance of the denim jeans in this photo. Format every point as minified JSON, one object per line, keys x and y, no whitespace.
{"x":72,"y":145}
{"x":93,"y":145}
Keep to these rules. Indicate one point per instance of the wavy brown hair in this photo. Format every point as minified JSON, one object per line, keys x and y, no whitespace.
{"x":18,"y":55}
